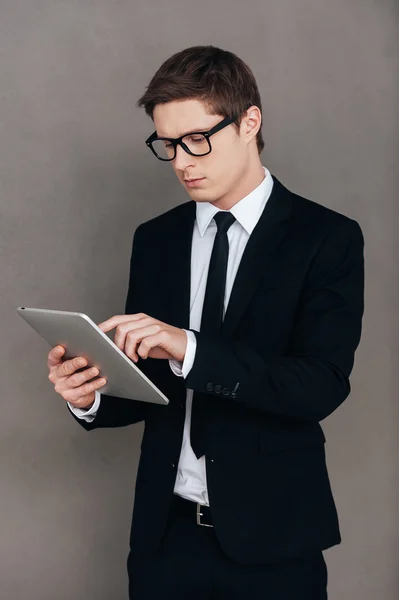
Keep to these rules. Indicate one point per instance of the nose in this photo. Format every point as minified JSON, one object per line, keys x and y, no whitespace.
{"x":183,"y":159}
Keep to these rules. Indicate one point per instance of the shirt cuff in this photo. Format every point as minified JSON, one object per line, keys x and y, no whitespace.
{"x":182,"y":369}
{"x":87,"y":415}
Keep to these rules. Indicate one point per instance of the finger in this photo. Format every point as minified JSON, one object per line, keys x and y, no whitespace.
{"x":55,"y":356}
{"x":74,"y":394}
{"x":70,"y":366}
{"x":123,"y":329}
{"x":135,"y":337}
{"x":79,"y":379}
{"x":117,"y":320}
{"x":150,"y":342}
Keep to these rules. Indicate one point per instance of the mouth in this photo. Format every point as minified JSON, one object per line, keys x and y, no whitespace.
{"x":193,"y":182}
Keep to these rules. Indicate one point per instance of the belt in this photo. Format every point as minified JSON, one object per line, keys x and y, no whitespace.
{"x":200,"y":513}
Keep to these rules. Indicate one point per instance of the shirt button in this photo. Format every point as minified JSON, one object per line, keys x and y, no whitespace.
{"x":217,"y":389}
{"x":209,"y":387}
{"x":225,"y":391}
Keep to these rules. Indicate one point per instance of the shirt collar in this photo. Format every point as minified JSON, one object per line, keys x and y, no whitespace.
{"x":247,"y":211}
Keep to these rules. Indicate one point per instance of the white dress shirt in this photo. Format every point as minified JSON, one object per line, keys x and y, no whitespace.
{"x":191,"y":473}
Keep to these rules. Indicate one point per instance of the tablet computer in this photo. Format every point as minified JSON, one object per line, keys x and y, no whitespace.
{"x":80,"y":336}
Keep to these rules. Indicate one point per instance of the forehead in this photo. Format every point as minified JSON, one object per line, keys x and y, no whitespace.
{"x":176,"y":118}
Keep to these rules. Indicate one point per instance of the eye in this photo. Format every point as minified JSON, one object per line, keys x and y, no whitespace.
{"x":196,"y":139}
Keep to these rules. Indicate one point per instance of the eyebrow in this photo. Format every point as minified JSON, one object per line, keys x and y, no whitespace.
{"x":197,"y":130}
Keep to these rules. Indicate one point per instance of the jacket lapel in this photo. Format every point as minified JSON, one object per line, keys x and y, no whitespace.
{"x":257,"y":259}
{"x":179,"y":266}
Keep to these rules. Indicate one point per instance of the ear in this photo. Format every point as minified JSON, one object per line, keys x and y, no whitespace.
{"x":251,"y":123}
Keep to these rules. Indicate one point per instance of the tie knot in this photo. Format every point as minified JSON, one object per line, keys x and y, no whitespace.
{"x":224,"y":220}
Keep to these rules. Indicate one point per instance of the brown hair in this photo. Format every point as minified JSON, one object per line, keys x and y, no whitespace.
{"x":218,"y":78}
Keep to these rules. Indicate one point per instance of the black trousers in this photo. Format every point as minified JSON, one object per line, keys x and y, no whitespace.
{"x":191,"y":565}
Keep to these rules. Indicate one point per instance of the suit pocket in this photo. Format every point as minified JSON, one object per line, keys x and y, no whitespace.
{"x":272,"y":441}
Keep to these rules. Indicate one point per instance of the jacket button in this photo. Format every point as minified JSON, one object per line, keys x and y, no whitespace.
{"x":217,"y":389}
{"x":209,"y":387}
{"x":225,"y":391}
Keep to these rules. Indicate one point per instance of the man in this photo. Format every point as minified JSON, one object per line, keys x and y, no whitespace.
{"x":244,"y":307}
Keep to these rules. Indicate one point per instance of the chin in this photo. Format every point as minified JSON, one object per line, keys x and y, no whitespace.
{"x":199,"y":195}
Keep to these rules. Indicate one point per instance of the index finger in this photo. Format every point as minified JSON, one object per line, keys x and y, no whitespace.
{"x":55,"y":356}
{"x":117,"y":320}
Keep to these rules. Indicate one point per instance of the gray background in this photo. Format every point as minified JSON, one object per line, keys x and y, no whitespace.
{"x":76,"y":179}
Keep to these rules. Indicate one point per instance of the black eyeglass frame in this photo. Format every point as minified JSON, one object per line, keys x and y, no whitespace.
{"x":175,"y":141}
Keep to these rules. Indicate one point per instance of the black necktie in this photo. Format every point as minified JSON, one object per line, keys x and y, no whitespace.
{"x":211,"y":319}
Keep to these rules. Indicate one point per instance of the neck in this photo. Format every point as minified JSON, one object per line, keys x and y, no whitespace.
{"x":245,"y":185}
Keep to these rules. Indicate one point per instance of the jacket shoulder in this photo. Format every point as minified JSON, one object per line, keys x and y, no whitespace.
{"x":318,"y":221}
{"x":171,"y":217}
{"x":309,"y":210}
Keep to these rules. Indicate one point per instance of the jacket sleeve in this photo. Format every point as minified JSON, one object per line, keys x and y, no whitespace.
{"x":312,"y":379}
{"x":114,"y":411}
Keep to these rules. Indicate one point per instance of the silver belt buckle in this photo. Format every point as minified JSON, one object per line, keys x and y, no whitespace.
{"x":199,"y":515}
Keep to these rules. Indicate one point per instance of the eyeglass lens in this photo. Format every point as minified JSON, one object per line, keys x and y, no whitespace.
{"x":197,"y":144}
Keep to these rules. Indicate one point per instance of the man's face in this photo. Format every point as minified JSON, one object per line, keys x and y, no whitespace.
{"x":218,"y":172}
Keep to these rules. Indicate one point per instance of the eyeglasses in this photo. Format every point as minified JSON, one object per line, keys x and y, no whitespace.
{"x":195,"y":143}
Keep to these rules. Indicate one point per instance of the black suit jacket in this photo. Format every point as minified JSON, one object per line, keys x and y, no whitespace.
{"x":280,"y":366}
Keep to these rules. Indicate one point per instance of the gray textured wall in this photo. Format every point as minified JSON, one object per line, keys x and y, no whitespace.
{"x":75,"y":181}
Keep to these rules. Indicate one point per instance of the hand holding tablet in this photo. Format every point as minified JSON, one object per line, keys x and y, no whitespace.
{"x":76,"y":388}
{"x":82,"y":338}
